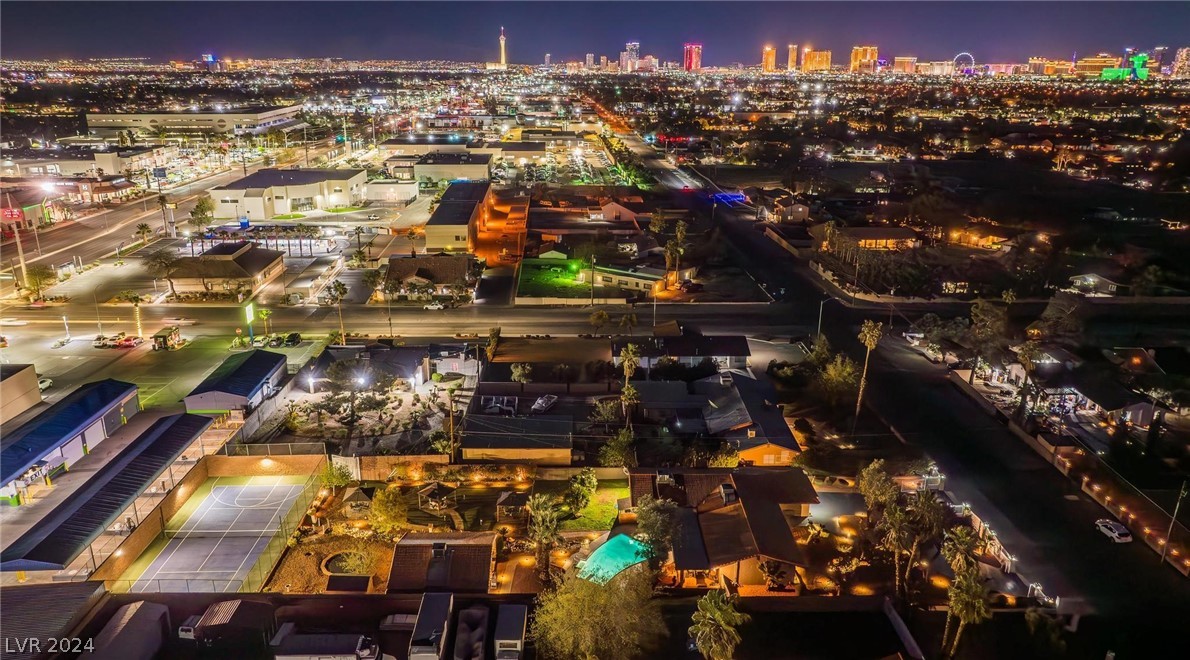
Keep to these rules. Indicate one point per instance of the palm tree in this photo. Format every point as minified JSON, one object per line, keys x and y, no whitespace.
{"x":335,"y":292}
{"x":869,"y":335}
{"x":264,"y":315}
{"x":1027,"y":355}
{"x":926,"y":517}
{"x":628,"y":321}
{"x":961,"y":547}
{"x":629,"y":360}
{"x":390,"y":287}
{"x":163,"y":263}
{"x":629,"y":398}
{"x":372,"y":279}
{"x":715,"y":625}
{"x":163,"y":204}
{"x":134,"y":298}
{"x":895,"y":525}
{"x":201,"y":217}
{"x":968,"y":602}
{"x":543,"y":528}
{"x":144,"y":231}
{"x":598,"y":319}
{"x":299,"y":232}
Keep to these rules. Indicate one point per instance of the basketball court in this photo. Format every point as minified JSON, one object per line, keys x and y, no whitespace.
{"x":216,"y":539}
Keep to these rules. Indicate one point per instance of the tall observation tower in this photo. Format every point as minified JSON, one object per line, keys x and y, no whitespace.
{"x":503,"y":55}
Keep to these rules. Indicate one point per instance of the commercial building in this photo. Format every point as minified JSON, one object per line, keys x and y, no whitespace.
{"x":62,"y":434}
{"x":1093,"y":66}
{"x":1181,"y":64}
{"x":271,"y":192}
{"x":388,"y":192}
{"x":419,"y":144}
{"x":453,"y":224}
{"x":446,"y":166}
{"x":692,"y":57}
{"x":238,"y":267}
{"x":863,"y":59}
{"x":906,"y":65}
{"x":816,"y":61}
{"x":236,"y":121}
{"x":791,"y":59}
{"x":18,"y":390}
{"x":630,"y":58}
{"x":83,"y":161}
{"x":768,"y":60}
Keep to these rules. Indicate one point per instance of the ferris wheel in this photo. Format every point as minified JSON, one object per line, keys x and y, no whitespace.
{"x":964,"y":62}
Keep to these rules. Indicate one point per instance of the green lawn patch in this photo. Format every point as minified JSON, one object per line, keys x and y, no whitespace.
{"x":289,"y":216}
{"x":599,"y":515}
{"x":343,"y":209}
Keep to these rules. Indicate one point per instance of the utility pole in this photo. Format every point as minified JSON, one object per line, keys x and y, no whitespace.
{"x":592,"y":280}
{"x":306,"y":146}
{"x":1173,"y":521}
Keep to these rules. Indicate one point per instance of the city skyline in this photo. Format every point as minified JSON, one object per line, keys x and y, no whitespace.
{"x":927,"y":31}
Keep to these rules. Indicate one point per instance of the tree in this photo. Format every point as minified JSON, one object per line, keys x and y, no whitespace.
{"x":592,"y":621}
{"x":869,"y":336}
{"x":896,"y":539}
{"x":715,"y":625}
{"x":1027,"y":355}
{"x":372,"y":280}
{"x":961,"y":548}
{"x":1147,"y":282}
{"x":926,"y":517}
{"x":144,"y":231}
{"x":264,"y":315}
{"x":334,"y":475}
{"x":820,"y":352}
{"x":598,"y":319}
{"x":493,"y":343}
{"x":389,"y":512}
{"x":39,"y":277}
{"x":335,"y":292}
{"x":605,"y":411}
{"x":877,"y":487}
{"x":629,"y":398}
{"x":618,"y":451}
{"x":351,"y":384}
{"x":391,"y":288}
{"x":134,"y":298}
{"x":775,"y":576}
{"x":968,"y":601}
{"x":522,"y":372}
{"x":582,"y":487}
{"x":1047,"y":632}
{"x":657,"y":524}
{"x":202,"y":216}
{"x":986,"y":334}
{"x":838,"y":379}
{"x":163,"y":263}
{"x":628,"y":321}
{"x":358,"y":559}
{"x":629,"y":360}
{"x":543,"y":530}
{"x":844,"y":567}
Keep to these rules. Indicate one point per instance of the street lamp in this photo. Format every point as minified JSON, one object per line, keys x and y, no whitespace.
{"x":820,"y":306}
{"x":67,"y":324}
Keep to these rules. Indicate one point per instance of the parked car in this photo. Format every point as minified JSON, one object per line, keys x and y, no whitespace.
{"x":259,"y":342}
{"x":373,"y":217}
{"x":1113,"y":530}
{"x":44,"y":384}
{"x":692,"y":287}
{"x":130,"y":342}
{"x":178,"y":320}
{"x":544,"y":403}
{"x":276,"y":341}
{"x":434,"y":305}
{"x":293,"y":339}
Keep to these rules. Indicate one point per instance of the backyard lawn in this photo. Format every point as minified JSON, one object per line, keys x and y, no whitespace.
{"x":599,"y":515}
{"x":476,"y":505}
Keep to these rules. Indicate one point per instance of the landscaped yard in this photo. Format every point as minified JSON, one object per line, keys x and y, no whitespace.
{"x":476,"y":505}
{"x":343,"y":209}
{"x":599,"y":515}
{"x":289,"y":216}
{"x":557,"y":280}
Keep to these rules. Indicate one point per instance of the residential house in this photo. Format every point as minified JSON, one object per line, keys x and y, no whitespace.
{"x":541,"y":439}
{"x":438,"y":274}
{"x":730,"y":521}
{"x":744,"y":411}
{"x":688,"y":348}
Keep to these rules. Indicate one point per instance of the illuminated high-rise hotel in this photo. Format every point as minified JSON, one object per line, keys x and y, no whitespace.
{"x":631,"y":56}
{"x":816,"y":60}
{"x":791,"y":61}
{"x":692,"y":57}
{"x":768,"y":60}
{"x":503,"y":53}
{"x":863,"y":59}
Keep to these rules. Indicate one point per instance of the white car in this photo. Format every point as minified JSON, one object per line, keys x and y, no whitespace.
{"x":1113,"y":530}
{"x":44,"y":384}
{"x":544,"y":403}
{"x":12,"y":321}
{"x":434,"y":305}
{"x":179,"y":320}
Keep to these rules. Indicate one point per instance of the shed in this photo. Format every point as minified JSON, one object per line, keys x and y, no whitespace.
{"x":137,"y":631}
{"x":242,"y":626}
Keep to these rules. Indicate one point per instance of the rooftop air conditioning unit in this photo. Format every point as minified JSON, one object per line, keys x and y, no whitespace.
{"x":727,"y":492}
{"x":438,"y":551}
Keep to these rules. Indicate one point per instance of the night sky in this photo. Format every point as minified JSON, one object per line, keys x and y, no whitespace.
{"x":729,"y":31}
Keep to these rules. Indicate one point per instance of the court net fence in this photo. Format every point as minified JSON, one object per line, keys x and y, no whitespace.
{"x":278,"y":535}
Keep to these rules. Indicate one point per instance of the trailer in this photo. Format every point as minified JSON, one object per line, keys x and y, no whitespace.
{"x":511,"y":620}
{"x":432,"y":627}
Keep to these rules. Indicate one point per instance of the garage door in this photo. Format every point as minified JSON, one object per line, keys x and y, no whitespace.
{"x":94,"y":435}
{"x":112,"y":421}
{"x":73,"y":450}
